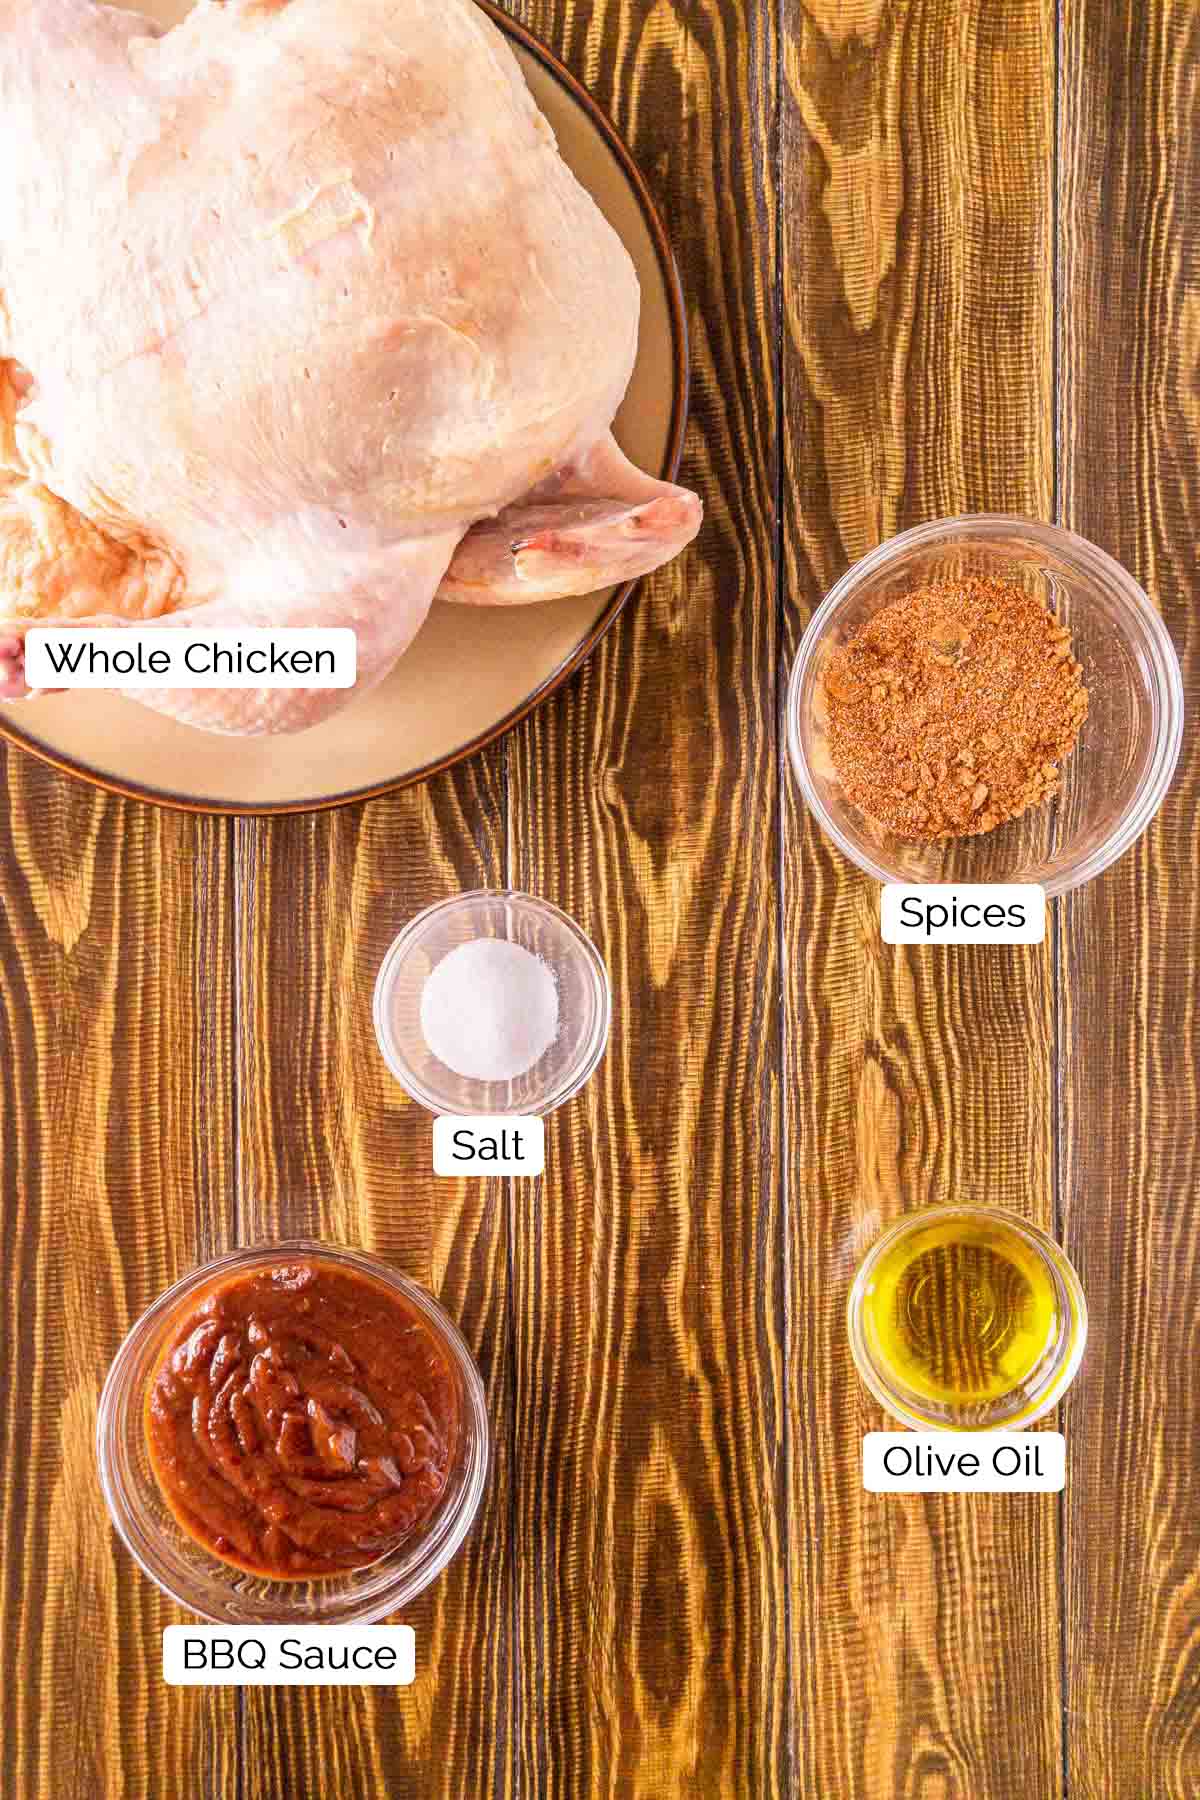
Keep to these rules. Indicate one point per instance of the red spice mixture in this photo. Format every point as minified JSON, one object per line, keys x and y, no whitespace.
{"x":951,"y":710}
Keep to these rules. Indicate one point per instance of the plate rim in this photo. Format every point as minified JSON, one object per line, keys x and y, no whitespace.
{"x":12,"y":733}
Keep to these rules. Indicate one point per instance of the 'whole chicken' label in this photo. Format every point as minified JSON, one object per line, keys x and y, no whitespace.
{"x":165,"y":656}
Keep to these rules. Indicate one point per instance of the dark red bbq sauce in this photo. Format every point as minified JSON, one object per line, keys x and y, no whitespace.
{"x":303,"y":1420}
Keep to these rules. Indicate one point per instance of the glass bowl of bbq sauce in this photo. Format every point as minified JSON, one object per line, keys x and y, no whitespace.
{"x":293,"y":1434}
{"x":1104,"y":792}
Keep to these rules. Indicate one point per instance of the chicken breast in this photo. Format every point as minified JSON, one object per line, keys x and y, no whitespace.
{"x":302,"y":320}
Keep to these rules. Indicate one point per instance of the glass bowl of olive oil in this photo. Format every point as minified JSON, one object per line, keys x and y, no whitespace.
{"x":966,"y":1318}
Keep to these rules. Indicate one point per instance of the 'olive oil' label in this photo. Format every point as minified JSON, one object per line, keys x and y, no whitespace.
{"x":947,"y":1462}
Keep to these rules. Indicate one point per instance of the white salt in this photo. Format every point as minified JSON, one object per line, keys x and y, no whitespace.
{"x":489,"y":1011}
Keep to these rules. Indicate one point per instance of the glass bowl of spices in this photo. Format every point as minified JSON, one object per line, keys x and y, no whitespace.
{"x":491,"y":1004}
{"x":986,"y":699}
{"x":293,"y":1434}
{"x":966,"y":1318}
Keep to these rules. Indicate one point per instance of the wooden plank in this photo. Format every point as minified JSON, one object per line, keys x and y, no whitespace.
{"x":116,"y":1081}
{"x":1130,"y":354}
{"x":648,"y":1299}
{"x":331,"y":1147}
{"x":917,"y":232}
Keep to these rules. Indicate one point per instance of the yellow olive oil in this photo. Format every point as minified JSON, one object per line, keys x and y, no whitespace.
{"x":962,"y":1312}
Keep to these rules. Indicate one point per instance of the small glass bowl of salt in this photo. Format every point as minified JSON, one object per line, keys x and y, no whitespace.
{"x":492,"y":1004}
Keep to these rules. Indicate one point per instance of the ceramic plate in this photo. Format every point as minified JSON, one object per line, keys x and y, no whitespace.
{"x":472,"y":672}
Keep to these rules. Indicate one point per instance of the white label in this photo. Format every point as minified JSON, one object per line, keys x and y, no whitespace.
{"x":964,"y":1462}
{"x":500,"y":1146}
{"x":289,"y":1655}
{"x":983,"y":913}
{"x":171,"y":657}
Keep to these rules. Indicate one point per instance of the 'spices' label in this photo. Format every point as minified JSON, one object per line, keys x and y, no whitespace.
{"x":975,"y":1462}
{"x":157,"y":656}
{"x":982,"y":913}
{"x":289,"y":1655}
{"x":513,"y":1146}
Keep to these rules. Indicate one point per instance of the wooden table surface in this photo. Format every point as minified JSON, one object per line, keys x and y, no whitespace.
{"x":940,"y":255}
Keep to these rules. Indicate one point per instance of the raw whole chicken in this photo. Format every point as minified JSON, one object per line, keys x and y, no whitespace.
{"x":303,"y":321}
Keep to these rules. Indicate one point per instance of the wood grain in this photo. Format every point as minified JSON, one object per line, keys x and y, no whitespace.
{"x":918,"y":359}
{"x":677,"y":1586}
{"x":648,"y":1304}
{"x":329,"y":1146}
{"x":1130,"y":352}
{"x":116,"y":1107}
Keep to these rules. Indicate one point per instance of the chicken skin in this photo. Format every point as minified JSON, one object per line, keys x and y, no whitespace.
{"x":303,"y":320}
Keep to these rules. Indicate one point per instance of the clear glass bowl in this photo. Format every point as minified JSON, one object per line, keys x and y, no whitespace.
{"x":1045,"y":1384}
{"x":201,"y":1582}
{"x":1115,"y":780}
{"x":584,"y":1004}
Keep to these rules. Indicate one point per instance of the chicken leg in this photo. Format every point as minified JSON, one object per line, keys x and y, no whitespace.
{"x":597,"y":522}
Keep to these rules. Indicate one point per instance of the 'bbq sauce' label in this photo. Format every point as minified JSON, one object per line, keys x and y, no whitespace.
{"x":289,"y":1655}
